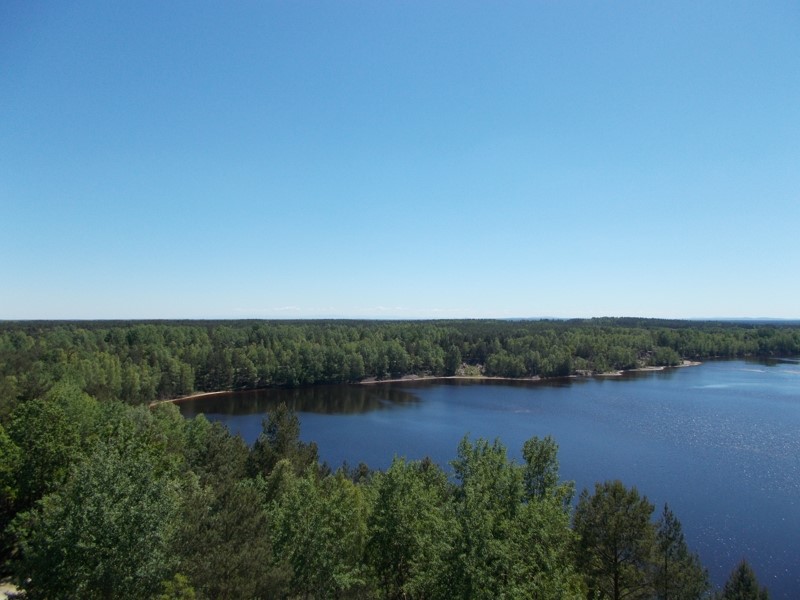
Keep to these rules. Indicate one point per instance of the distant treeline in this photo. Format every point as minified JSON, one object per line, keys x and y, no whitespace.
{"x":139,"y":362}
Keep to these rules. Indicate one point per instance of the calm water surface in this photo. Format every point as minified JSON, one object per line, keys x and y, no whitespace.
{"x":719,"y":442}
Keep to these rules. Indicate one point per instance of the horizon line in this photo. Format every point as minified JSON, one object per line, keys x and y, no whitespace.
{"x":391,"y":318}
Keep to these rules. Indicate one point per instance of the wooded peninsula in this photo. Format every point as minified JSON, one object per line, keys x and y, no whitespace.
{"x":105,"y":496}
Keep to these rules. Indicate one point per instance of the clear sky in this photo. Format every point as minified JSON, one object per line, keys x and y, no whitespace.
{"x":411,"y":159}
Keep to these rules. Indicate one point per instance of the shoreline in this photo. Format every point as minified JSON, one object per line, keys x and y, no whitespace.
{"x":685,"y":363}
{"x":534,"y":379}
{"x":195,"y":396}
{"x":411,"y":378}
{"x":427,"y":378}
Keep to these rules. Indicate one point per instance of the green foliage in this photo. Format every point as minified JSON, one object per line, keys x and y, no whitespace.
{"x":104,"y":534}
{"x":10,"y":460}
{"x":319,"y":531}
{"x":615,"y":541}
{"x":504,"y":364}
{"x":508,"y":544}
{"x":411,"y":530}
{"x":215,"y":456}
{"x":47,"y":443}
{"x":8,"y":396}
{"x":280,"y":440}
{"x":665,"y":357}
{"x":452,"y":360}
{"x":141,"y":362}
{"x":743,"y":585}
{"x":541,"y":544}
{"x":223,"y":543}
{"x":82,"y":409}
{"x":177,"y":588}
{"x":678,"y":573}
{"x":623,"y":554}
{"x":489,"y":494}
{"x":541,"y":470}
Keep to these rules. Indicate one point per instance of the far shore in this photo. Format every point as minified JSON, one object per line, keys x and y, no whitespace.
{"x":685,"y":363}
{"x":407,"y":378}
{"x":412,"y":378}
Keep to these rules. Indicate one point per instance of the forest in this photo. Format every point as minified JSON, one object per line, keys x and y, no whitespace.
{"x":103,"y":495}
{"x":138,"y":362}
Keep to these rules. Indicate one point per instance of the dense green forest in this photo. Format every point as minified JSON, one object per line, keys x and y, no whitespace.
{"x":138,"y":362}
{"x":102,"y":496}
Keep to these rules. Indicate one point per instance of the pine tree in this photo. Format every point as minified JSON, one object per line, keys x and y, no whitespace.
{"x":678,"y":573}
{"x":743,"y":585}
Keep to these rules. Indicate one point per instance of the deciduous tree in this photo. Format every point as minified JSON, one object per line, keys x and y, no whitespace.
{"x":411,"y":529}
{"x":104,"y":534}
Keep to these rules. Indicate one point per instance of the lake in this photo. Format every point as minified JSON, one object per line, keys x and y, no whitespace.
{"x":720,"y":442}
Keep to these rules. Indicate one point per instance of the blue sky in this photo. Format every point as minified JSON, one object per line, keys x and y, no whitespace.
{"x":399,"y":159}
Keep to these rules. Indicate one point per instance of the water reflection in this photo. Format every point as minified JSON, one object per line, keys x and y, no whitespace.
{"x":359,"y":398}
{"x":339,"y":399}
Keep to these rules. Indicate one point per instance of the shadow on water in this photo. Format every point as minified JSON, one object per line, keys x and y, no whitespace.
{"x":350,"y":399}
{"x":334,"y":399}
{"x":773,"y":362}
